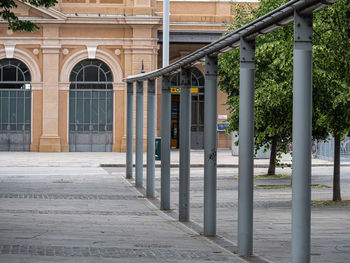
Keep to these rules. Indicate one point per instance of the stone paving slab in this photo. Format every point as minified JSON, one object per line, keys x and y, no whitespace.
{"x":92,"y":217}
{"x":118,"y":159}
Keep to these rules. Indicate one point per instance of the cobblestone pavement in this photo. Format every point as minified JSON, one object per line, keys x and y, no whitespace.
{"x":272,"y":213}
{"x":64,"y":208}
{"x":85,"y":214}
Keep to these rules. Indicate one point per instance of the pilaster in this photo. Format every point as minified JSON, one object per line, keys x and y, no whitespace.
{"x":50,"y":139}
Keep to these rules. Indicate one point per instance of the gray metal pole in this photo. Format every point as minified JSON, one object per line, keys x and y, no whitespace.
{"x":129,"y":129}
{"x":151,"y":126}
{"x":185,"y":143}
{"x":139,"y":134}
{"x":165,"y":33}
{"x":210,"y":123}
{"x":302,"y":111}
{"x":246,"y":148}
{"x":165,"y":149}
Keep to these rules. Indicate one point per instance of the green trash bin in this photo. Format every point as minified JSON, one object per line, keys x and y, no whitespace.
{"x":158,"y":148}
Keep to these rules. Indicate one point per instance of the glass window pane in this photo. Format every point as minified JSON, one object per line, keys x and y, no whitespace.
{"x":87,"y":94}
{"x":194,"y":112}
{"x":9,"y":73}
{"x":79,"y":109}
{"x":95,"y":127}
{"x":27,"y":110}
{"x":109,"y":111}
{"x":110,"y":127}
{"x":71,"y":127}
{"x":91,"y":73}
{"x":4,"y":110}
{"x":72,"y":110}
{"x":102,"y":76}
{"x":79,"y":127}
{"x":87,"y":111}
{"x":20,"y":110}
{"x":102,"y":112}
{"x":102,"y":94}
{"x":27,"y":127}
{"x":94,"y":107}
{"x":201,"y":113}
{"x":79,"y":76}
{"x":13,"y":113}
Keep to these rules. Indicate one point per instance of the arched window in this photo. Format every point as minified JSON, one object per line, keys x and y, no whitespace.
{"x":197,"y":78}
{"x":91,"y":74}
{"x":14,"y":74}
{"x":91,"y":106}
{"x":15,"y":106}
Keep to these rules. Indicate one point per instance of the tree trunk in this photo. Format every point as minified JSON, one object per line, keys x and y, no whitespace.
{"x":272,"y":165}
{"x":336,"y":169}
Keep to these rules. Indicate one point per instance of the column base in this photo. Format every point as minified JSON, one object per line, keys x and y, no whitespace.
{"x":50,"y":144}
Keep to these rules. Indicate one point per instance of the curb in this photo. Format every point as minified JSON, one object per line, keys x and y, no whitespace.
{"x":176,"y":165}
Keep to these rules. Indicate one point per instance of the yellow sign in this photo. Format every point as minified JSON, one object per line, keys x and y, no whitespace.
{"x":177,"y":90}
{"x":194,"y":90}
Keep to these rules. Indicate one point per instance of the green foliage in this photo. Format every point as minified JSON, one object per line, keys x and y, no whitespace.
{"x":331,"y":74}
{"x":274,"y":75}
{"x":14,"y":23}
{"x":273,"y":79}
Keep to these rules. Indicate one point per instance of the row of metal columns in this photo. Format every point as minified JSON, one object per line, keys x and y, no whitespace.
{"x":301,"y":191}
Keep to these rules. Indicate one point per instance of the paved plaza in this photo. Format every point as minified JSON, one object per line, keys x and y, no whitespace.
{"x":65,"y":207}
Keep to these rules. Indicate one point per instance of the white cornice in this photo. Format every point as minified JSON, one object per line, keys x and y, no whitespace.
{"x":77,"y":41}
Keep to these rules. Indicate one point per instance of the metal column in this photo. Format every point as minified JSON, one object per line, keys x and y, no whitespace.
{"x":129,"y":129}
{"x":165,"y":33}
{"x":165,"y":149}
{"x":302,"y":111}
{"x":246,"y":148}
{"x":151,"y":126}
{"x":210,"y":151}
{"x":185,"y":144}
{"x":139,"y":134}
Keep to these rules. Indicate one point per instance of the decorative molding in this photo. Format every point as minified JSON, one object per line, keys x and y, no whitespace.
{"x":36,"y":86}
{"x":28,"y":60}
{"x":100,"y":54}
{"x":35,"y":51}
{"x":63,"y":85}
{"x":65,"y":51}
{"x":119,"y":86}
{"x":51,"y":49}
{"x":91,"y":50}
{"x":117,"y":51}
{"x":9,"y":50}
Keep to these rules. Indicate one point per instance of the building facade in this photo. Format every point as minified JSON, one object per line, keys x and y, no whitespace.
{"x":61,"y":87}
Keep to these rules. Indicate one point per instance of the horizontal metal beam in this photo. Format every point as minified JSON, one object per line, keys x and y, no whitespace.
{"x":281,"y":16}
{"x":192,"y":37}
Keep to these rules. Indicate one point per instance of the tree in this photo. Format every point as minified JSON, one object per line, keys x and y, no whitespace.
{"x":332,"y":77}
{"x":273,"y":82}
{"x":16,"y":24}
